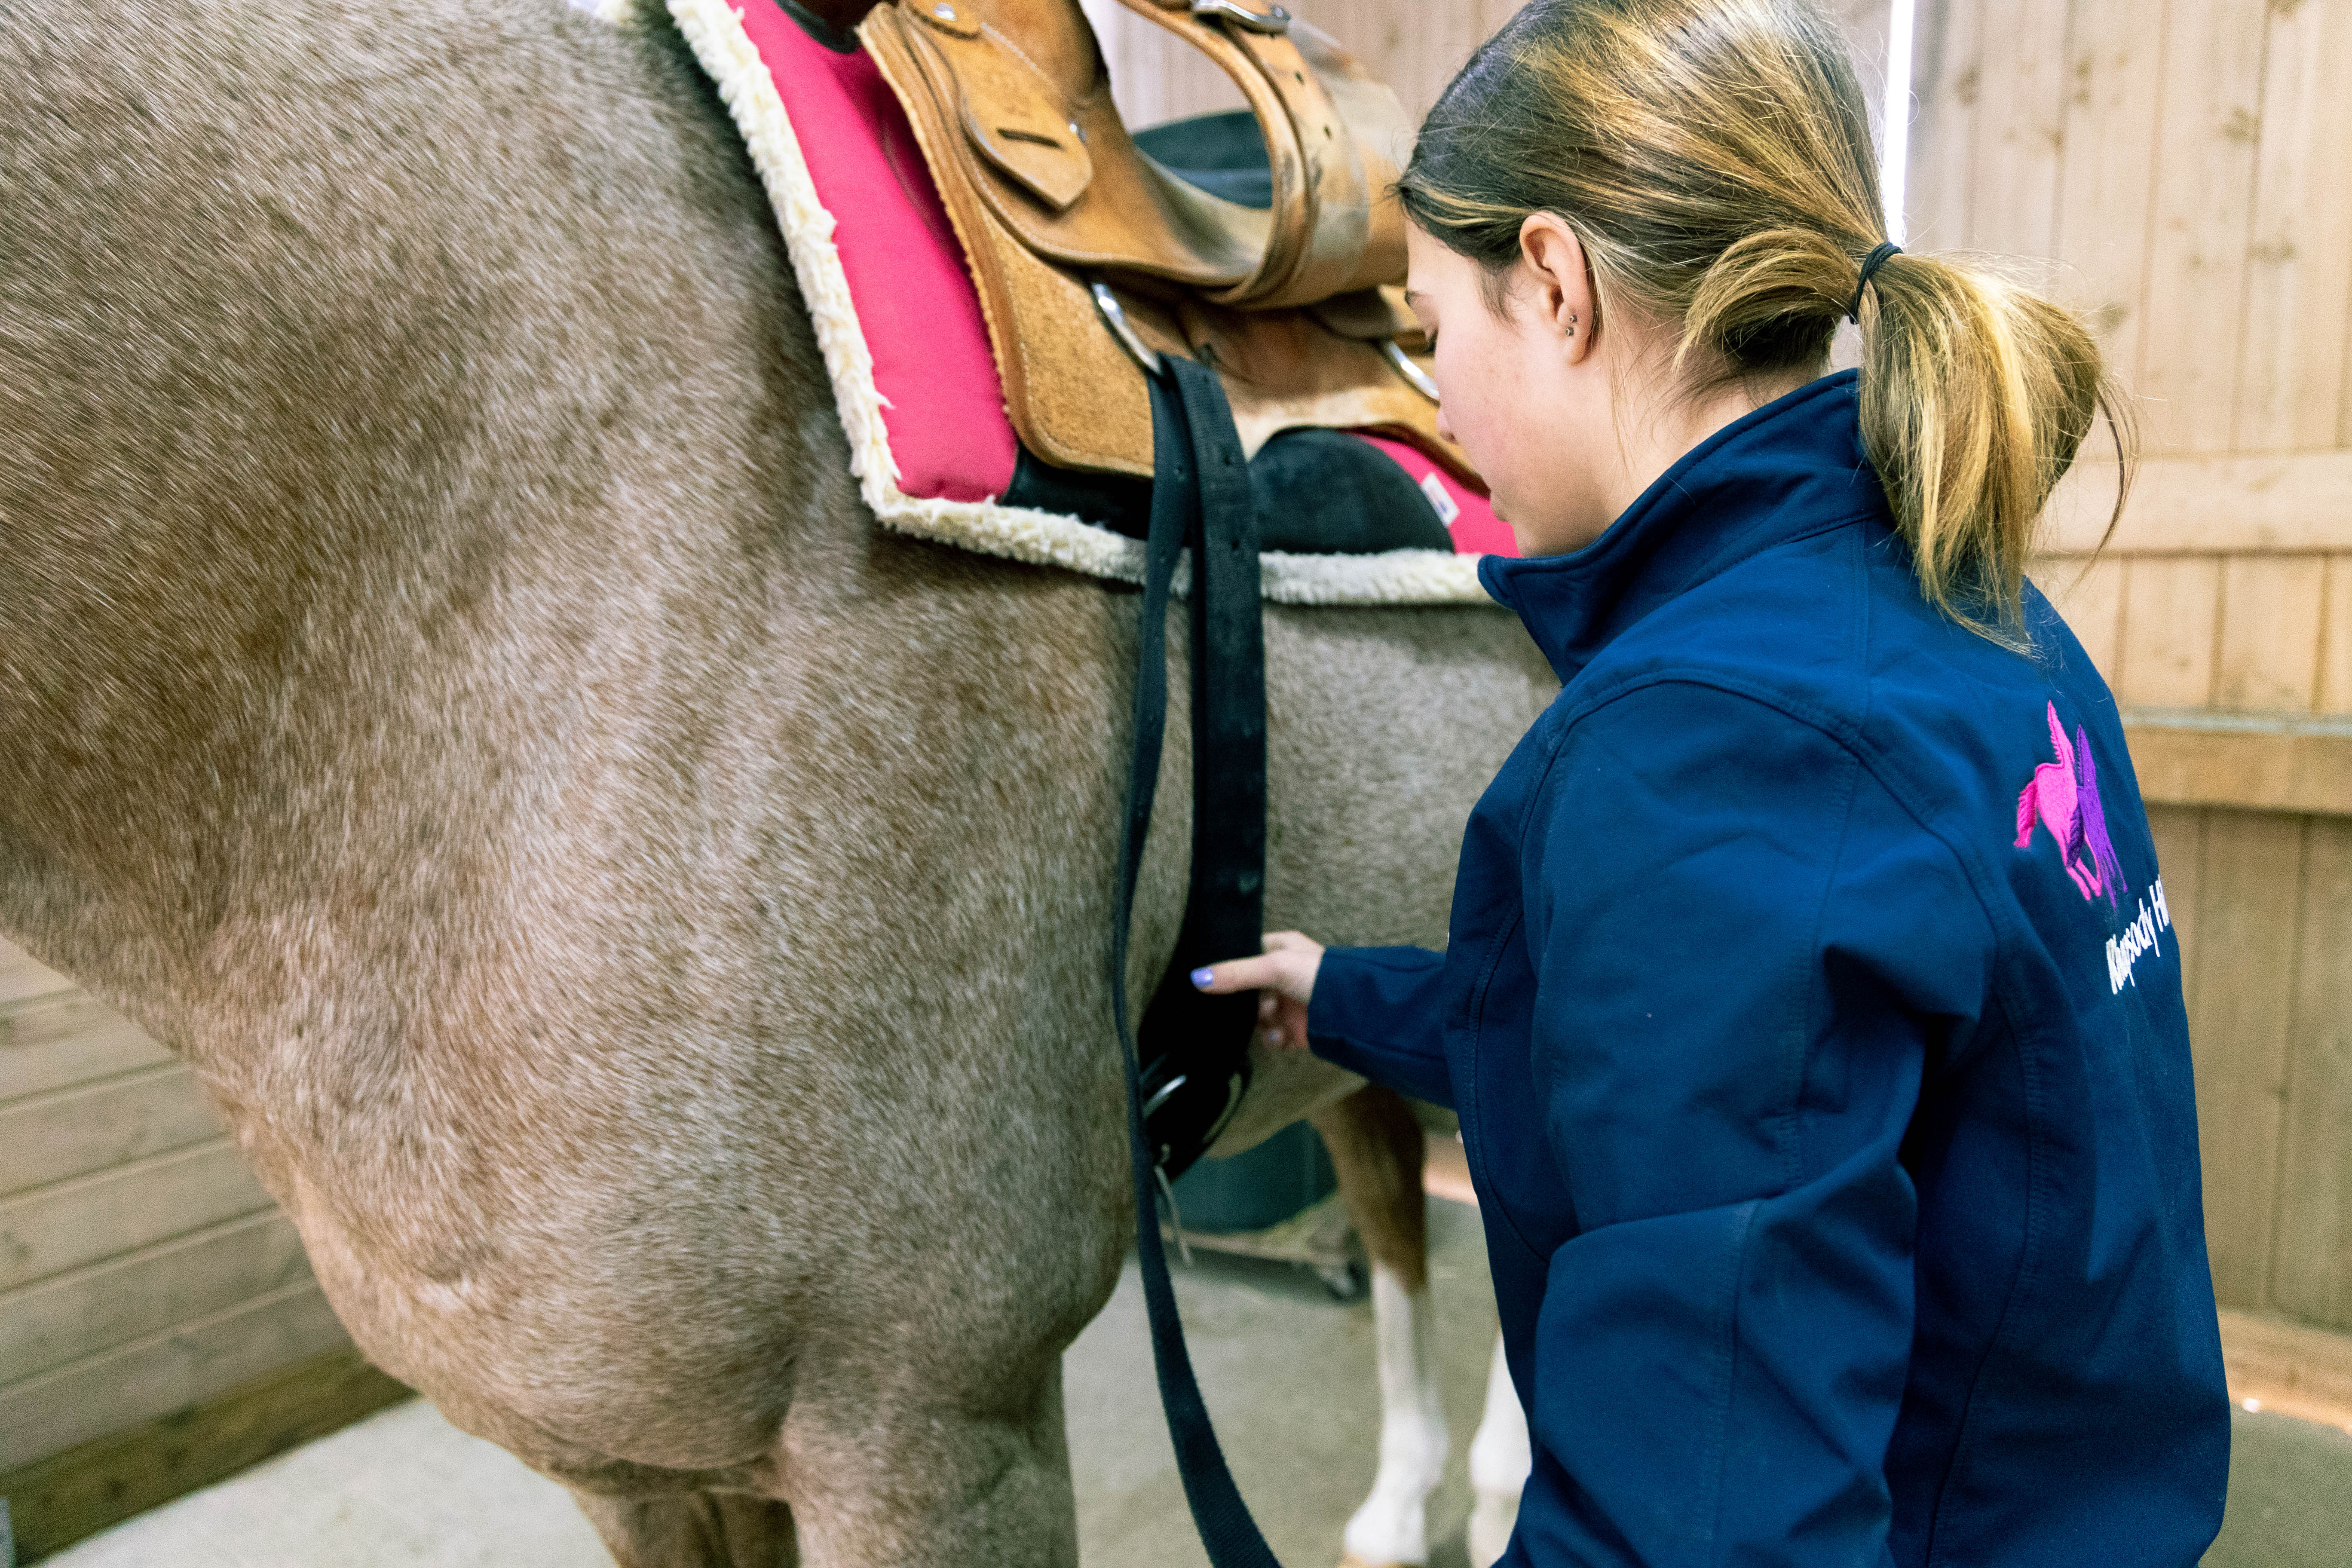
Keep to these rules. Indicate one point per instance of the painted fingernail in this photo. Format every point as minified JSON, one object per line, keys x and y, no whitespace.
{"x":1203,"y":976}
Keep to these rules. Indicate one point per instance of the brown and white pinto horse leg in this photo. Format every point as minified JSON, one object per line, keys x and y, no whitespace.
{"x":1499,"y":1462}
{"x":1377,"y":1147}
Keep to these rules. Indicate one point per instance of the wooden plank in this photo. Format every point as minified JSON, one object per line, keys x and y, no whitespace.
{"x":1413,"y":46}
{"x":2335,"y":640}
{"x":2179,"y":832}
{"x":2312,"y":1273}
{"x":2268,"y":504}
{"x":130,"y":1383}
{"x":2246,"y":921}
{"x":2165,"y":657}
{"x":2107,"y":165}
{"x":2288,"y":1367}
{"x":2194,"y":323}
{"x":2291,"y":379}
{"x":69,"y":1133}
{"x":55,"y":1228}
{"x":78,"y":1314}
{"x":68,"y":1038}
{"x":78,"y":1493}
{"x":2344,"y":425}
{"x":2090,"y":594}
{"x":21,"y":977}
{"x":1865,"y":23}
{"x":1152,"y":76}
{"x":2019,"y":115}
{"x":2271,"y":610}
{"x":1946,"y":77}
{"x":2281,"y":769}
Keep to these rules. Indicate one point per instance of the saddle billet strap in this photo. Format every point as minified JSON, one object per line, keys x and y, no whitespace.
{"x":1195,"y":1048}
{"x":1199,"y":474}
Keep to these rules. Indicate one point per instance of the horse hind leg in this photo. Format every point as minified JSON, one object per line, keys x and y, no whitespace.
{"x":694,"y":1530}
{"x":1500,"y":1461}
{"x":1377,"y":1148}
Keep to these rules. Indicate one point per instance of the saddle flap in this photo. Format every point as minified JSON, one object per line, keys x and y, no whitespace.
{"x":1200,"y":273}
{"x":1026,"y":83}
{"x":1015,"y":112}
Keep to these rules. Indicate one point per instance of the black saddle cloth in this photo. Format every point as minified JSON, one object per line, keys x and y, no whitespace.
{"x":1316,"y":492}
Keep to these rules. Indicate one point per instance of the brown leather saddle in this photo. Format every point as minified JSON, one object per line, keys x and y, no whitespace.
{"x":1092,"y":256}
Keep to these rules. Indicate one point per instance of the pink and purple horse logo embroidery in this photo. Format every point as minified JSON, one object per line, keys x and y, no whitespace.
{"x":2064,"y":797}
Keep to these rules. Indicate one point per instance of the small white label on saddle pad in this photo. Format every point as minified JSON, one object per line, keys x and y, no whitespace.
{"x":1440,"y":498}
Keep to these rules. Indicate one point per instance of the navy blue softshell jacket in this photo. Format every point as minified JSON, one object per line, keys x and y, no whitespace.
{"x":1813,"y":1013}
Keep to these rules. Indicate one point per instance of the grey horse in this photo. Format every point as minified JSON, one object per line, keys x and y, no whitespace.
{"x":646,"y":923}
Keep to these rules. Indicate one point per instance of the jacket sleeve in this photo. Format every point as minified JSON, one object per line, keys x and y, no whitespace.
{"x":1746,"y":951}
{"x":1378,"y":1011}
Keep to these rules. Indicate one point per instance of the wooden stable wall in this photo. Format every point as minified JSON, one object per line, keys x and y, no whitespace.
{"x":143,"y":1270}
{"x":2178,"y":169}
{"x":1415,"y":46}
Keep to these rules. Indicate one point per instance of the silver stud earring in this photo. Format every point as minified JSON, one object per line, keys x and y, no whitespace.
{"x":1571,"y":324}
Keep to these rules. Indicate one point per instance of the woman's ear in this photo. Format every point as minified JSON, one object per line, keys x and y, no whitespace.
{"x":1562,"y":292}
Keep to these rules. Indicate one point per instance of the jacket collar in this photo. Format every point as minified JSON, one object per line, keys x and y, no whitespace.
{"x":1785,"y":470}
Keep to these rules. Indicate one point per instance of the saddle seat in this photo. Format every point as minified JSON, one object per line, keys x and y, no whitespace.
{"x":1090,"y":255}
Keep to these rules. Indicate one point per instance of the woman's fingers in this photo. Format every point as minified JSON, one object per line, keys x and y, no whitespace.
{"x":1286,"y":968}
{"x":1238,"y":974}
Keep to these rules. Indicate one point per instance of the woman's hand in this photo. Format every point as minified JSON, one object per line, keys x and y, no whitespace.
{"x":1284,"y":979}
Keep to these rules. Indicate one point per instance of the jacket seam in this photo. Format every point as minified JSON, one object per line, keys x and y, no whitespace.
{"x":1718,"y":1440}
{"x":2019,"y":1285}
{"x":1813,"y":987}
{"x":1829,"y":728}
{"x":1473,"y":1026}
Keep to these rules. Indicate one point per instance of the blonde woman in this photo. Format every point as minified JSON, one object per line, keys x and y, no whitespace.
{"x":1810,"y":1003}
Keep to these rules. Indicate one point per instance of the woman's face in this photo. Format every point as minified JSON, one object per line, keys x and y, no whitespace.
{"x":1529,"y":406}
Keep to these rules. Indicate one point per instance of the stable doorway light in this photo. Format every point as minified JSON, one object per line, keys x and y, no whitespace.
{"x":1894,"y":139}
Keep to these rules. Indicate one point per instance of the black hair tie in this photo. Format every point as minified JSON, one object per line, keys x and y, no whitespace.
{"x":1877,"y":260}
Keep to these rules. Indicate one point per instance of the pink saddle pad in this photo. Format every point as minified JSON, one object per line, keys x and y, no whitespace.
{"x":943,"y":402}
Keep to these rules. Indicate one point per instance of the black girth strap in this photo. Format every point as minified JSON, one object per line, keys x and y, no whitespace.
{"x":1195,"y":1048}
{"x":1185,"y":1090}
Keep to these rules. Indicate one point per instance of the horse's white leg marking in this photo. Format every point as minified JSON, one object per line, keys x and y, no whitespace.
{"x":1499,"y":1462}
{"x":1389,"y":1527}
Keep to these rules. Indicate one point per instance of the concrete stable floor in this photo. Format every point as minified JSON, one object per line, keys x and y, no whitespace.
{"x":1288,"y":1373}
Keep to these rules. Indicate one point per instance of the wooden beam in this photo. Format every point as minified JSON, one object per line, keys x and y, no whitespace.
{"x":2194,"y":759}
{"x":2288,"y":1367}
{"x":117,"y":1388}
{"x":2271,"y":504}
{"x":66,"y":1497}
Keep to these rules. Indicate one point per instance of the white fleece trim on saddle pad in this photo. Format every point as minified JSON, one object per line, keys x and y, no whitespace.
{"x":714,"y":29}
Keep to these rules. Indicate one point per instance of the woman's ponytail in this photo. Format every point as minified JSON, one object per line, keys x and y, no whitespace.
{"x":1715,"y":158}
{"x":1976,"y":395}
